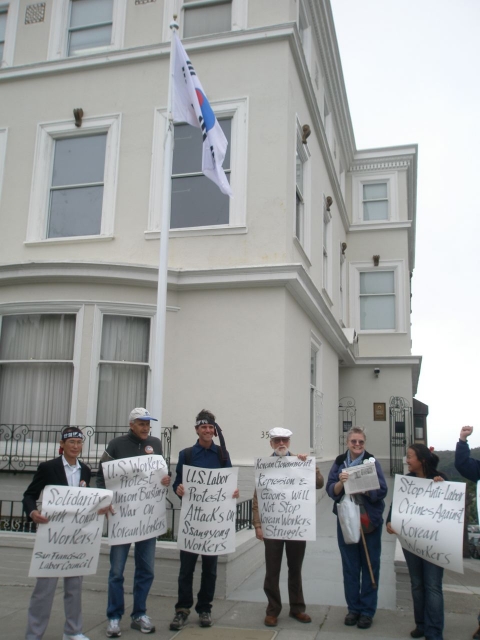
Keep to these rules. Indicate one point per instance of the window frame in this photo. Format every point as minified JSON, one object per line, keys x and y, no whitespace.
{"x":112,"y":309}
{"x":47,"y":133}
{"x":60,"y":25}
{"x":239,"y":15}
{"x":358,"y":182}
{"x":343,"y":287}
{"x":55,"y":308}
{"x":237,"y":110}
{"x":3,"y":155}
{"x":315,"y":391}
{"x":12,"y":7}
{"x":303,"y":152}
{"x":327,"y":263}
{"x":398,"y":268}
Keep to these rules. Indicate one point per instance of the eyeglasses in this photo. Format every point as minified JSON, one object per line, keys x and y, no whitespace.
{"x":277,"y":440}
{"x":357,"y":441}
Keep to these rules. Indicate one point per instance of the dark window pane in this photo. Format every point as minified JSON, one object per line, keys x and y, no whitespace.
{"x":187,"y":155}
{"x":87,"y":12}
{"x":79,"y":160}
{"x":198,"y":202}
{"x":90,"y":38}
{"x":75,"y":212}
{"x":204,"y":20}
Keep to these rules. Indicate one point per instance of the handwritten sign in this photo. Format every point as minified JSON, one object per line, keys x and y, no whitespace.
{"x":69,"y":544}
{"x":286,"y":497}
{"x":428,"y":518}
{"x":139,"y":499}
{"x":207,"y":518}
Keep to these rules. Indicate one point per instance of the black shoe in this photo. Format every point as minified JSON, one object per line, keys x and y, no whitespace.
{"x":351,"y":619}
{"x":476,"y":635}
{"x":364,"y":622}
{"x":417,"y":633}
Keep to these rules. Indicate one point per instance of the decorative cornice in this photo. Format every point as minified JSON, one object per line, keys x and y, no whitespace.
{"x":291,"y":276}
{"x":401,"y":163}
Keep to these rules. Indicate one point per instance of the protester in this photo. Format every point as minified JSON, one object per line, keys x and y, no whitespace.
{"x":360,"y":592}
{"x":66,"y":470}
{"x":469,"y":468}
{"x":137,"y":442}
{"x":207,"y":455}
{"x":294,"y":549}
{"x":425,"y":577}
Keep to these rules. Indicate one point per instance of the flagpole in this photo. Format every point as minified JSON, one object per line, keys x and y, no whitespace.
{"x":156,"y":402}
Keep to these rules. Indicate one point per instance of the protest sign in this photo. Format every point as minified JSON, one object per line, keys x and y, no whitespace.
{"x":361,"y":477}
{"x":428,"y":518}
{"x":69,"y":544}
{"x":286,"y":497}
{"x":139,"y":500}
{"x":207,"y":518}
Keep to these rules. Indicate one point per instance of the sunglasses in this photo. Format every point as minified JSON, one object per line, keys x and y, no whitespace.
{"x":277,"y":440}
{"x":357,"y":441}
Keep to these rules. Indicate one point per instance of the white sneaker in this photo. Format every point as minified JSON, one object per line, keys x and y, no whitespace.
{"x":143,"y":624}
{"x":77,"y":636}
{"x":113,"y":629}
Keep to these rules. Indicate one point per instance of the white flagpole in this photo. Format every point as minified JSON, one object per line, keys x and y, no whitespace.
{"x":156,"y":395}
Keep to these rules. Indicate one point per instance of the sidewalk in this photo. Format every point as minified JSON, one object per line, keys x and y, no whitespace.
{"x":244,"y":609}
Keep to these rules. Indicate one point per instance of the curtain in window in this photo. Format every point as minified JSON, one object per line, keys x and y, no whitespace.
{"x":122,"y":385}
{"x":377,"y":300}
{"x":36,"y":392}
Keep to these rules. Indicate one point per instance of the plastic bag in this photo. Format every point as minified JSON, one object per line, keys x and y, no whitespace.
{"x":349,"y":516}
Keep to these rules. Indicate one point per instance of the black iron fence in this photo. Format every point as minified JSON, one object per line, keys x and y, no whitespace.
{"x":24,"y":446}
{"x":13,"y":519}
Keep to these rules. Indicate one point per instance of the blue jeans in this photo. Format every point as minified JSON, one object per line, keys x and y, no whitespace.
{"x":426,"y":579}
{"x":360,"y":595}
{"x":185,"y":582}
{"x":144,"y":556}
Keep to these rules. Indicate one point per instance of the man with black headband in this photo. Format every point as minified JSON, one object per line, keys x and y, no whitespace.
{"x":206,"y":454}
{"x":66,"y":470}
{"x":137,"y":442}
{"x":294,"y":549}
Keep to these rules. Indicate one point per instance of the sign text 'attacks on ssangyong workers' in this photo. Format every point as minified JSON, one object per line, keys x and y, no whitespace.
{"x":139,"y":498}
{"x":286,"y":497}
{"x":428,"y":518}
{"x":69,"y":544}
{"x":207,"y":519}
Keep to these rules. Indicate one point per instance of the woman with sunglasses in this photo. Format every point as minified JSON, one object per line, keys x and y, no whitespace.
{"x":360,"y":593}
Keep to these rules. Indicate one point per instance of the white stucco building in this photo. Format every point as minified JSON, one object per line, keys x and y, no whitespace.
{"x":282,"y":302}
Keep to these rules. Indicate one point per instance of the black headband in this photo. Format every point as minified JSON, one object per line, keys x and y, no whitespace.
{"x":217,"y":432}
{"x":73,"y":434}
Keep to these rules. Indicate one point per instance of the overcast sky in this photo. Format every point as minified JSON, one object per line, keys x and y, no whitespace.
{"x":411,"y":70}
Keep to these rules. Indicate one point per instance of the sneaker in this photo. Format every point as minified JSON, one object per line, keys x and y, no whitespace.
{"x":76,"y":636}
{"x":179,"y":621}
{"x":143,"y":624}
{"x":205,"y":619}
{"x":113,"y":629}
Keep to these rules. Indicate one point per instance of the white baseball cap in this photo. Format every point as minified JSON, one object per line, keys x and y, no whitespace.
{"x":279,"y":432}
{"x":139,"y":413}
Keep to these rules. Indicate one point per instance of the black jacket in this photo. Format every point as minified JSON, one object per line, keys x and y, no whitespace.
{"x":50,"y":472}
{"x":128,"y":446}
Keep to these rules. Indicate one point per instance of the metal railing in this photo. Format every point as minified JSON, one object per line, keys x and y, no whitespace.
{"x":13,"y":518}
{"x":24,"y":446}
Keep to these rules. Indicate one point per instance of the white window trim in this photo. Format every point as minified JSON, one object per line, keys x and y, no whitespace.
{"x":3,"y":152}
{"x":316,"y":345}
{"x":398,"y":267}
{"x":171,"y":7}
{"x":139,"y":311}
{"x":237,"y":110}
{"x":304,"y":17}
{"x":56,"y":308}
{"x":58,"y":40}
{"x":304,"y":153}
{"x":343,"y":288}
{"x":357,"y":196}
{"x":327,"y":279}
{"x":10,"y":32}
{"x":42,"y":174}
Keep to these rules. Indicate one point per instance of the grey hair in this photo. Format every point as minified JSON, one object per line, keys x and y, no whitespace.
{"x":353,"y":430}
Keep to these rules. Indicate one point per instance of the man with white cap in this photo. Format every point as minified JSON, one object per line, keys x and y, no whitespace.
{"x":137,"y":442}
{"x":294,"y":549}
